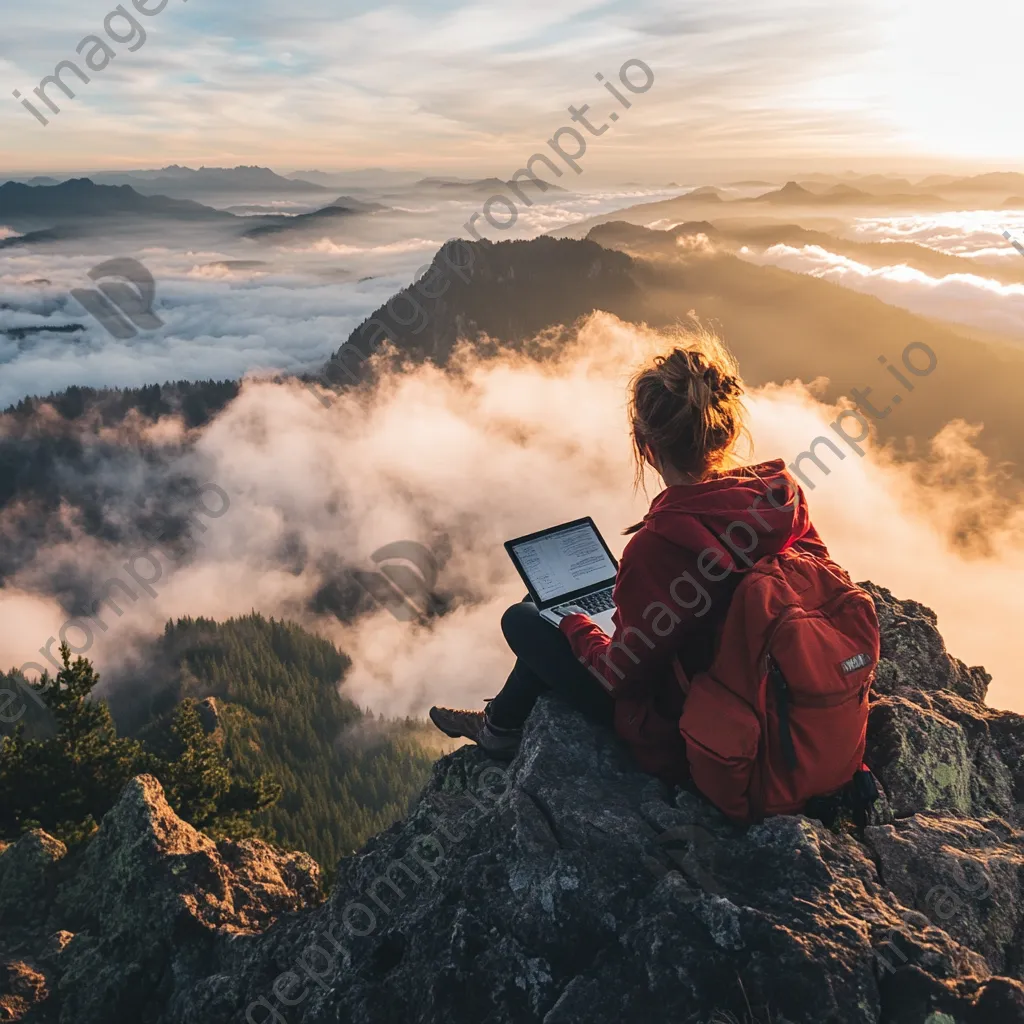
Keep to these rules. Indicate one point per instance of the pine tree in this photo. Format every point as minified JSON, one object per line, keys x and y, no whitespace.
{"x":64,"y":783}
{"x":200,"y":785}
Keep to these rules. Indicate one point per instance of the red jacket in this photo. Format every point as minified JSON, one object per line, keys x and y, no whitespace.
{"x":675,"y":579}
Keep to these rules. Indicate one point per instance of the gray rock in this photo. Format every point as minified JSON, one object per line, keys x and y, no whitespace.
{"x":966,"y":876}
{"x":23,"y":989}
{"x":27,"y":878}
{"x":569,"y":887}
{"x":209,"y":716}
{"x":151,"y":896}
{"x":939,"y":751}
{"x":920,"y":757}
{"x":914,"y":654}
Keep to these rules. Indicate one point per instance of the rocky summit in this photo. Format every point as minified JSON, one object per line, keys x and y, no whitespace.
{"x":565,"y":887}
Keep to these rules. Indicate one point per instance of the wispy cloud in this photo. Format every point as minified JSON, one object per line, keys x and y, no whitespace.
{"x":461,"y":83}
{"x":962,"y":298}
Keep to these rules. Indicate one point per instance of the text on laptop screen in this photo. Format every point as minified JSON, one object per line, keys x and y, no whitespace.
{"x":560,"y":563}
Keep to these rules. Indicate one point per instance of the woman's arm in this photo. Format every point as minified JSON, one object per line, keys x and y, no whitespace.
{"x":660,"y":598}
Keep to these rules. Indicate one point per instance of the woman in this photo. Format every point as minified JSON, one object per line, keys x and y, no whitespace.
{"x":711,"y":523}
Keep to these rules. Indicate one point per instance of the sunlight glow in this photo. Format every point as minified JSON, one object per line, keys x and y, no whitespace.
{"x":949,"y":76}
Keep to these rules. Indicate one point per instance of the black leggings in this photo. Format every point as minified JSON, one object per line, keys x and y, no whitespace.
{"x":544,"y":664}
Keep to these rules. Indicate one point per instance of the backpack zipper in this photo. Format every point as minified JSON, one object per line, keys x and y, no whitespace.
{"x":782,"y":712}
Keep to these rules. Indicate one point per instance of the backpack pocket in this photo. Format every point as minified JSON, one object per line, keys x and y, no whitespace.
{"x":722,"y":734}
{"x":819,"y":673}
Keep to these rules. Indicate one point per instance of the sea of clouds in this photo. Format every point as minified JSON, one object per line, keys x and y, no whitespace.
{"x":970,"y":298}
{"x":224,"y":321}
{"x":973,"y":234}
{"x":498,"y":447}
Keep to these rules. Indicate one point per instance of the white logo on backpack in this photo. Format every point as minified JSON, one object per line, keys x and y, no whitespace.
{"x":854,"y":663}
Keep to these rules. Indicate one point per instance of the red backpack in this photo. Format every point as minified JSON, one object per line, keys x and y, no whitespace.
{"x":781,"y":715}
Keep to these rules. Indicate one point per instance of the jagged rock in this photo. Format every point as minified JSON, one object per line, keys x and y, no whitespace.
{"x":914,"y":656}
{"x":920,"y":758}
{"x":169,"y":871}
{"x":931,"y":740}
{"x":22,"y":988}
{"x":54,"y":946}
{"x":966,"y":876}
{"x":209,"y":717}
{"x":568,"y":886}
{"x":149,"y":887}
{"x":939,"y":751}
{"x":27,"y":878}
{"x":555,"y":897}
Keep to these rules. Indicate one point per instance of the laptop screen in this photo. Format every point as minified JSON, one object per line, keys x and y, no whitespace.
{"x":564,"y":561}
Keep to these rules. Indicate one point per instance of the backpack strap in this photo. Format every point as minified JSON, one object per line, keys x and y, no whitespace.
{"x":681,"y":677}
{"x":782,"y":708}
{"x":862,"y":794}
{"x":858,"y":797}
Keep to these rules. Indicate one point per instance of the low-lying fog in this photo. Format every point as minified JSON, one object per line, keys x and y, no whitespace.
{"x":491,"y":449}
{"x":233,"y":305}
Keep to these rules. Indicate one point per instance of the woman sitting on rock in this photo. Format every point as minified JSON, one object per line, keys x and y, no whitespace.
{"x":713,"y":521}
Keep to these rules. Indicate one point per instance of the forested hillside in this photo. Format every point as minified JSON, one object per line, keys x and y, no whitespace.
{"x":780,"y":325}
{"x":63,"y":766}
{"x":197,"y":402}
{"x":275,"y":720}
{"x":345,"y":774}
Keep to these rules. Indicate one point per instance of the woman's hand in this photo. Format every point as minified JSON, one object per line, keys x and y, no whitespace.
{"x":570,"y":609}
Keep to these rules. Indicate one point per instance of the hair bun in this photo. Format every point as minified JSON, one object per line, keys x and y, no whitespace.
{"x":722,"y":386}
{"x":685,"y":407}
{"x":677,"y":370}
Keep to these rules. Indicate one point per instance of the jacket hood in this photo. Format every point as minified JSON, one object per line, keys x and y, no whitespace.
{"x":745,"y":514}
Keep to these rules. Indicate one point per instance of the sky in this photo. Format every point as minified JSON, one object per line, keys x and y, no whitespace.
{"x":473,"y":86}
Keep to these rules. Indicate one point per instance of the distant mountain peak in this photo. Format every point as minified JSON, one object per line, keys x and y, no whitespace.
{"x":82,"y":198}
{"x":706,"y":192}
{"x":484,"y":184}
{"x":791,"y":192}
{"x":846,"y":190}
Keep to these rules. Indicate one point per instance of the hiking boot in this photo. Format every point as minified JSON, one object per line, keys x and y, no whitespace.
{"x":475,"y":726}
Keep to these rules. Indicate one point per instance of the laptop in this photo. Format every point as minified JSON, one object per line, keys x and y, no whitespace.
{"x":567,"y":565}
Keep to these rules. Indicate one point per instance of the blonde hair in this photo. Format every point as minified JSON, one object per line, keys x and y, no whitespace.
{"x":687,"y":407}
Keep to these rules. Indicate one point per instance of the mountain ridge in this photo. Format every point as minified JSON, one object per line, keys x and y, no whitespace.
{"x":203,"y":180}
{"x":772,"y":319}
{"x":82,"y":198}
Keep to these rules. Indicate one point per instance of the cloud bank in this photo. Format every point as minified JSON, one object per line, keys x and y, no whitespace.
{"x":495,"y":448}
{"x":223,"y":316}
{"x":970,"y":299}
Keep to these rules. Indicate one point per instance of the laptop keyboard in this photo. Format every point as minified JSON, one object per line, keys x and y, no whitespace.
{"x":592,"y":604}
